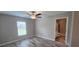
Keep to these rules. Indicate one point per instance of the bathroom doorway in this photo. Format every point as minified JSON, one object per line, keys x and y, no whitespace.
{"x":61,"y":30}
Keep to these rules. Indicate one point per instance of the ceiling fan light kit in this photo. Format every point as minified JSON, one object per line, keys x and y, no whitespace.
{"x":33,"y":17}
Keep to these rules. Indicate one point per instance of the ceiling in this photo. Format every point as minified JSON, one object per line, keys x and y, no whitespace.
{"x":49,"y":13}
{"x":15,"y":13}
{"x":24,"y":13}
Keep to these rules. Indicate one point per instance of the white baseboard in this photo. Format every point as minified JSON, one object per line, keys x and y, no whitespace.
{"x":21,"y":39}
{"x":9,"y":42}
{"x":45,"y":38}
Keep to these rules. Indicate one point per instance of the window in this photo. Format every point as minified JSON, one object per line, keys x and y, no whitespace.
{"x":21,"y":28}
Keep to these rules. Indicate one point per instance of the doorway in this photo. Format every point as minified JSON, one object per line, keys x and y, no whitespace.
{"x":61,"y":28}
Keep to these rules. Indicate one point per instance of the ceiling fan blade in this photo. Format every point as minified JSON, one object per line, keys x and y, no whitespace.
{"x":29,"y":13}
{"x":39,"y":17}
{"x":38,"y":14}
{"x":33,"y":11}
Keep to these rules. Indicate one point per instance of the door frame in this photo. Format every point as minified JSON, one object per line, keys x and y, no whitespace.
{"x":66,"y":34}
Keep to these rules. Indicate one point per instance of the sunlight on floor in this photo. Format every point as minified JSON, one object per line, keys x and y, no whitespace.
{"x":24,"y":43}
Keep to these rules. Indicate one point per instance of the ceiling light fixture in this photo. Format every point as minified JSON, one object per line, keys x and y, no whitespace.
{"x":33,"y":17}
{"x":34,"y":14}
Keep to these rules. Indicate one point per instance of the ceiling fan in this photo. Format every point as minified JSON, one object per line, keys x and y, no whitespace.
{"x":34,"y":14}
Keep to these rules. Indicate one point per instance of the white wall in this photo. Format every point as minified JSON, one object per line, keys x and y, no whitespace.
{"x":45,"y":26}
{"x":8,"y":28}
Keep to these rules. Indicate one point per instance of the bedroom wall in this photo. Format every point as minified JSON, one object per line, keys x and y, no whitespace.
{"x":45,"y":26}
{"x":8,"y":28}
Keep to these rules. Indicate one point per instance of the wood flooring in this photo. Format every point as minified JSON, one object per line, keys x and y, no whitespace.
{"x":35,"y":42}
